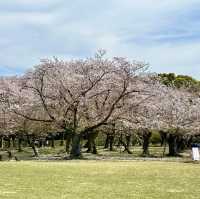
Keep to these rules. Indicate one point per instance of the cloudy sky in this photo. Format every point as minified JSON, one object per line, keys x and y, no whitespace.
{"x":164,"y":33}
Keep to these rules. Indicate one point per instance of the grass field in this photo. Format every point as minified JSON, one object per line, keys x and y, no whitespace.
{"x":99,"y":180}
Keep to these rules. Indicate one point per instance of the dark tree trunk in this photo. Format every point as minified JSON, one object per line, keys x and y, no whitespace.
{"x":76,"y":147}
{"x":91,"y":145}
{"x":163,"y":137}
{"x":128,"y":141}
{"x":181,"y":144}
{"x":111,"y":142}
{"x":13,"y":142}
{"x":112,"y":137}
{"x":146,"y":140}
{"x":68,"y":142}
{"x":62,"y":139}
{"x":94,"y":149}
{"x":106,"y":142}
{"x":126,"y":144}
{"x":126,"y":148}
{"x":9,"y":142}
{"x":19,"y":144}
{"x":189,"y":140}
{"x":52,"y":142}
{"x":120,"y":141}
{"x":28,"y":140}
{"x":172,"y":142}
{"x":35,"y":150}
{"x":1,"y":142}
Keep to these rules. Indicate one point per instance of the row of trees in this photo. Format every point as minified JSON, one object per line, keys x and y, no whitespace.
{"x":83,"y":98}
{"x":180,"y":81}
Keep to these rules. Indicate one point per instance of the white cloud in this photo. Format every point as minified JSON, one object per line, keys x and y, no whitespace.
{"x":162,"y":32}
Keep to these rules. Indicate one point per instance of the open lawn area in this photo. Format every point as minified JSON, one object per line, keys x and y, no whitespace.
{"x":99,"y":180}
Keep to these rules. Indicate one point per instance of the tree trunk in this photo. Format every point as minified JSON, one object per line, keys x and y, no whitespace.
{"x":35,"y":150}
{"x":181,"y":144}
{"x":13,"y":141}
{"x":75,"y":152}
{"x":52,"y":142}
{"x":2,"y":142}
{"x":94,"y":149}
{"x":163,"y":137}
{"x":68,"y":142}
{"x":146,"y":139}
{"x":106,"y":142}
{"x":128,"y":142}
{"x":28,"y":140}
{"x":91,"y":145}
{"x":9,"y":142}
{"x":172,"y":142}
{"x":62,"y":139}
{"x":111,"y":140}
{"x":19,"y":144}
{"x":120,"y":140}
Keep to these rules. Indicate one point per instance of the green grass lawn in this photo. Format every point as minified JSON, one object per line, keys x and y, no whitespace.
{"x":99,"y":180}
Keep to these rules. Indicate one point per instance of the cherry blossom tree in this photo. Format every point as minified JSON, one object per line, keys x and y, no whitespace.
{"x":80,"y":94}
{"x":175,"y":111}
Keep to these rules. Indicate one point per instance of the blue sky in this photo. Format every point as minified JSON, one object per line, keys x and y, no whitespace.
{"x":164,"y":33}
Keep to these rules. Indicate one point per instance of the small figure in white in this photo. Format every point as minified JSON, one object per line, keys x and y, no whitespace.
{"x":195,"y":152}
